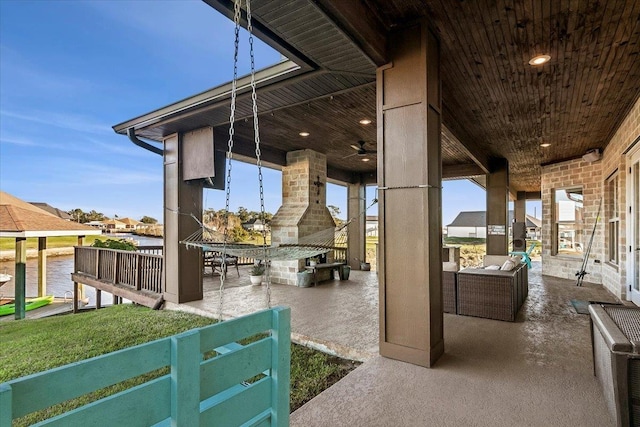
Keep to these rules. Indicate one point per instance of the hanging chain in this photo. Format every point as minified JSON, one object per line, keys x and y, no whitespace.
{"x":256,"y":131}
{"x":232,"y":115}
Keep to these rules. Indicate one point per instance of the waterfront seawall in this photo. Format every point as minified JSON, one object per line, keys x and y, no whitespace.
{"x":10,"y":255}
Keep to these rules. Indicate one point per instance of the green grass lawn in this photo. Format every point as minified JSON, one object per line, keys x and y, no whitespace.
{"x":8,"y":243}
{"x":31,"y":346}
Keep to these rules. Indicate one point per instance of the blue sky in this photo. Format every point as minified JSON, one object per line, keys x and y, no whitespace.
{"x":69,"y":70}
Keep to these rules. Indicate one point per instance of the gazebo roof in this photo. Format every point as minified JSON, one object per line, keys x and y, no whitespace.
{"x":21,"y":219}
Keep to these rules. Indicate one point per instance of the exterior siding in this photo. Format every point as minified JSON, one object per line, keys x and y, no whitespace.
{"x":480,"y":232}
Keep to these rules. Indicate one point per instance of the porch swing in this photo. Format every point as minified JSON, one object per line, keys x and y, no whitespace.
{"x":208,"y":239}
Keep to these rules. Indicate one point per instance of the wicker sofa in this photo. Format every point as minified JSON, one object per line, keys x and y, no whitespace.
{"x":449,"y":287}
{"x":492,"y":294}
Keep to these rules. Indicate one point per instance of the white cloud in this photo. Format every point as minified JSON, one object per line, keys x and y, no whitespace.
{"x":68,"y":121}
{"x":97,"y":175}
{"x":20,"y":141}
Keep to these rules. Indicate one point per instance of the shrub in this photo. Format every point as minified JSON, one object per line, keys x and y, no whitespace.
{"x":121,"y":244}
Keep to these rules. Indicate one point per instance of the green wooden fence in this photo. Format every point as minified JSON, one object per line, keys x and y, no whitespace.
{"x":211,"y":391}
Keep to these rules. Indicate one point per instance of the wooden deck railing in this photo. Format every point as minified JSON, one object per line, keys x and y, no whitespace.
{"x":222,"y":390}
{"x":154,"y":250}
{"x":340,"y":254}
{"x":137,"y":270}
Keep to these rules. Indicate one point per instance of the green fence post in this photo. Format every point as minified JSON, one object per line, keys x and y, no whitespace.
{"x":6,"y":405}
{"x":281,"y":366}
{"x":185,"y":379}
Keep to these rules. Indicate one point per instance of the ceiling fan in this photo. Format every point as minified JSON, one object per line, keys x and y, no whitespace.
{"x":360,"y":150}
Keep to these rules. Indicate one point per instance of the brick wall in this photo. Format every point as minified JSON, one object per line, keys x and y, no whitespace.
{"x":615,"y":276}
{"x":591,"y":177}
{"x":573,"y":174}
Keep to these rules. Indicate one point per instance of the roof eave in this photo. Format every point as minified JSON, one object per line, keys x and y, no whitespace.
{"x":49,"y":233}
{"x":275,"y":73}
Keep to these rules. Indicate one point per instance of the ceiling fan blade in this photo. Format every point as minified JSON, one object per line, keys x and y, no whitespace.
{"x":354,"y":146}
{"x":372,"y":151}
{"x":350,"y":155}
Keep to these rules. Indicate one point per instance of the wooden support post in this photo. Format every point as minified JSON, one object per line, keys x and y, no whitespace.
{"x":182,"y":274}
{"x":356,"y":231}
{"x":80,"y":293}
{"x":42,"y":266}
{"x":498,"y":208}
{"x":75,"y":297}
{"x":520,"y":207}
{"x":98,"y":299}
{"x":21,"y":277}
{"x":409,"y":177}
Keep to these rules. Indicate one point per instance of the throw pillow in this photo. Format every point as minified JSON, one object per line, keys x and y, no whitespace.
{"x":492,"y":267}
{"x":508,"y":265}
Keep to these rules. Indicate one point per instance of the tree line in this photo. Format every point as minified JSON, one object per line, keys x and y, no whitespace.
{"x":82,"y":217}
{"x":230,"y":223}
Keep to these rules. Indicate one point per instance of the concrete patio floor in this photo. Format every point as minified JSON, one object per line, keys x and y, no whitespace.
{"x":536,"y":371}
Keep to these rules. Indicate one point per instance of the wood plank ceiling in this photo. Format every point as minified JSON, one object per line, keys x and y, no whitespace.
{"x":495,"y":100}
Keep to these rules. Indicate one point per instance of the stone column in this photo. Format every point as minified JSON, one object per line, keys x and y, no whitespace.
{"x":409,"y":176}
{"x":498,"y":208}
{"x":303,"y":211}
{"x":182,"y":276}
{"x":356,"y":231}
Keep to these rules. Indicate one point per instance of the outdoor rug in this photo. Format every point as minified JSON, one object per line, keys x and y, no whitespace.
{"x":582,"y":307}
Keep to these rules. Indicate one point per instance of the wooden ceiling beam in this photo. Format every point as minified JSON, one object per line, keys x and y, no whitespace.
{"x":361,"y":25}
{"x":474,"y":152}
{"x":461,"y":171}
{"x":272,"y":157}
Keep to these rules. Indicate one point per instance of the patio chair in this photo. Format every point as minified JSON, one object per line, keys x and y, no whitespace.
{"x":526,"y":256}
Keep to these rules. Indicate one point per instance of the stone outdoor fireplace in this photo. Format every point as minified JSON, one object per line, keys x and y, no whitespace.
{"x":303,"y":211}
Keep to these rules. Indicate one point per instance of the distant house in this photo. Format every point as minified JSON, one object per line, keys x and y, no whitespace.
{"x":474,"y":224}
{"x":372,"y":225}
{"x":55,"y":211}
{"x":130,"y":223}
{"x":114,"y":225}
{"x":255,"y":225}
{"x":97,"y":224}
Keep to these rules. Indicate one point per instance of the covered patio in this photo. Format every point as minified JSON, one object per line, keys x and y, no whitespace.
{"x":535,"y":371}
{"x":532,"y":100}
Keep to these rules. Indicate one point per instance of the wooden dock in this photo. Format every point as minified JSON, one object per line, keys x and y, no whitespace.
{"x":58,"y":306}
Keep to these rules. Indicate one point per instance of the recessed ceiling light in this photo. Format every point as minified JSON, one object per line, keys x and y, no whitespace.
{"x":539,"y":60}
{"x":365,"y":159}
{"x":365,"y":121}
{"x":545,"y":145}
{"x":304,"y":133}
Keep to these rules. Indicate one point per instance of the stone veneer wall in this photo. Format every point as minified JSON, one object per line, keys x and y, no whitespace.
{"x":303,"y":211}
{"x":591,"y":177}
{"x":574,"y":173}
{"x":614,"y":277}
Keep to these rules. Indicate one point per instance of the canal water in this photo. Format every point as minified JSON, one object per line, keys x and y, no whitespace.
{"x":59,"y":269}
